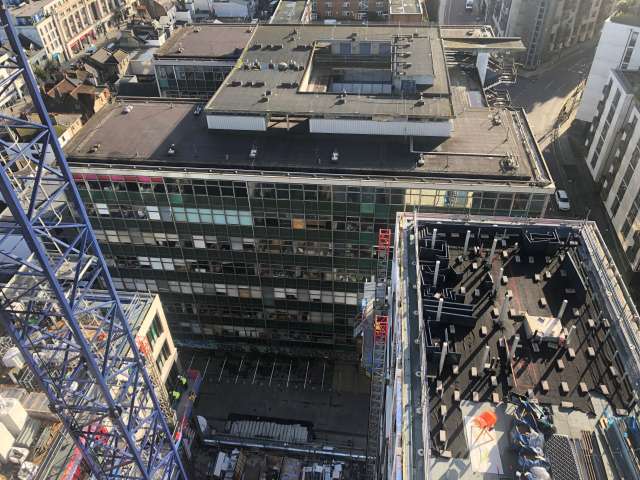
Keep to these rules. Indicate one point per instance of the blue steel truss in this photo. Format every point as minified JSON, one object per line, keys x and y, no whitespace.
{"x":77,"y":342}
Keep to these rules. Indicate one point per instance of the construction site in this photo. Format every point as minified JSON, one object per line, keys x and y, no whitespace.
{"x":258,"y":288}
{"x":514,"y":352}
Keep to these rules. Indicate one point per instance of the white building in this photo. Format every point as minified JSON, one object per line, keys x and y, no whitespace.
{"x":614,"y":153}
{"x":618,"y":48}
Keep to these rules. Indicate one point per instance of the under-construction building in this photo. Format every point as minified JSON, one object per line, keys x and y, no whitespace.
{"x":502,"y":332}
{"x":257,"y":220}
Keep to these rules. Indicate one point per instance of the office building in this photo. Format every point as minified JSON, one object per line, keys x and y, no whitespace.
{"x":614,"y":150}
{"x":196,"y":59}
{"x":546,"y":27}
{"x":618,"y":48}
{"x":66,"y":27}
{"x":257,"y":220}
{"x":500,"y":332}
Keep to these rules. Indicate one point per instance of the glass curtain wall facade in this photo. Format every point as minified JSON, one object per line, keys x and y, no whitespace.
{"x":190,"y":81}
{"x":249,"y":260}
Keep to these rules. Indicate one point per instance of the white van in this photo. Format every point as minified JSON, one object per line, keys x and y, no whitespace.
{"x":469,"y":5}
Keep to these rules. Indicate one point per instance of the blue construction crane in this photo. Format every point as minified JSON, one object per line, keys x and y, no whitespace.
{"x":59,"y":304}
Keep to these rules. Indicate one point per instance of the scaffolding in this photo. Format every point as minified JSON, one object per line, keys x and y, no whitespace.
{"x":59,"y":304}
{"x":378,"y":316}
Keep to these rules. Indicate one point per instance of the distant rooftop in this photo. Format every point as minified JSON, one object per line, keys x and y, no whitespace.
{"x":405,"y":7}
{"x":29,"y":9}
{"x":627,"y":16}
{"x":381,"y":70}
{"x":289,"y":11}
{"x":207,"y":41}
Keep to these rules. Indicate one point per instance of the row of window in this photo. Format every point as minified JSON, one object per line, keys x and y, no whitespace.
{"x":366,"y":197}
{"x":267,"y":294}
{"x":272,"y":219}
{"x":263,"y":270}
{"x":605,"y":127}
{"x":239,"y":244}
{"x":290,"y":334}
{"x":625,"y":181}
{"x":232,"y":314}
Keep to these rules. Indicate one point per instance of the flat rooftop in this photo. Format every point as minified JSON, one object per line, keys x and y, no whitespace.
{"x":505,"y":325}
{"x":206,"y":41}
{"x":303,"y":67}
{"x":289,"y":11}
{"x":405,"y":7}
{"x":631,"y":80}
{"x":143,"y":136}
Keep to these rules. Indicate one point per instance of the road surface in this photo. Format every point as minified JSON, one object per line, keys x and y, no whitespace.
{"x":542,"y":94}
{"x":455,"y":13}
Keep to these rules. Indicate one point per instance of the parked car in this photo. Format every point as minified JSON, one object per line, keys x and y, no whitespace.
{"x":198,"y":110}
{"x":562,"y":199}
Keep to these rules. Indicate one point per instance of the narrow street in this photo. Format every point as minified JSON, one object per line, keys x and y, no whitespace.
{"x":544,"y":94}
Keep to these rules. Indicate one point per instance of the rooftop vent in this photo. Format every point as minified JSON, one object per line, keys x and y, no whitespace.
{"x":509,"y":163}
{"x":172,"y":150}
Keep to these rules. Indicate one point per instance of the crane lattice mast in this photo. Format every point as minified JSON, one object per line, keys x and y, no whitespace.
{"x":59,"y":304}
